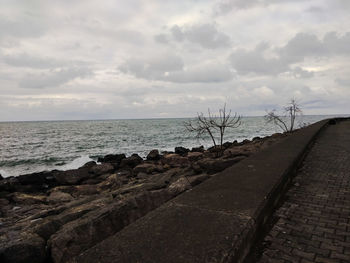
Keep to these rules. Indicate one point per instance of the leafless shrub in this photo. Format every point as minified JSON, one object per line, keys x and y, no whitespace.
{"x":213,"y":124}
{"x":285,"y":121}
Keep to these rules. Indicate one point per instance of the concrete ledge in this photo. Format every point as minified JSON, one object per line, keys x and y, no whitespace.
{"x":217,"y":221}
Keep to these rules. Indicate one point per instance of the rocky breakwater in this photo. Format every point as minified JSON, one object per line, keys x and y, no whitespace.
{"x":54,"y":216}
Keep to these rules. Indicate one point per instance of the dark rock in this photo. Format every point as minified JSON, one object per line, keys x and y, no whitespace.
{"x":101,"y":169}
{"x":89,"y":164}
{"x":1,"y":178}
{"x":74,"y":176}
{"x":147,"y":168}
{"x":181,"y":150}
{"x":194,"y":156}
{"x":257,"y":138}
{"x":175,"y":160}
{"x":195,"y":180}
{"x":227,"y":145}
{"x":153,"y":155}
{"x":22,"y":247}
{"x":93,"y":227}
{"x":198,"y":149}
{"x":131,"y":161}
{"x":112,"y":158}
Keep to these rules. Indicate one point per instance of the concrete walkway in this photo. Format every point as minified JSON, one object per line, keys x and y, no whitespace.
{"x":313,"y":224}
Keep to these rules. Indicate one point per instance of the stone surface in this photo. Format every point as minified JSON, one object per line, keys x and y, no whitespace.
{"x":153,"y":155}
{"x":313,"y":223}
{"x":213,"y":222}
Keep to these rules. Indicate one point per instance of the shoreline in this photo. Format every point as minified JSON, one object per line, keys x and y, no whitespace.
{"x":62,"y":213}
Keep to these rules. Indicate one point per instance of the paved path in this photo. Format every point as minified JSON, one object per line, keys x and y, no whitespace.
{"x":314,"y":222}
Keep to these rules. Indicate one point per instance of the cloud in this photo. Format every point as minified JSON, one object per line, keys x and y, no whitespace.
{"x":205,"y":35}
{"x":171,"y":68}
{"x":53,"y":78}
{"x":209,"y":73}
{"x":152,"y":68}
{"x":302,"y":46}
{"x":245,"y":62}
{"x":25,"y":60}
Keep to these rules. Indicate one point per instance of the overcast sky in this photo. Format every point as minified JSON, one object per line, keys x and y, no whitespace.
{"x":88,"y":59}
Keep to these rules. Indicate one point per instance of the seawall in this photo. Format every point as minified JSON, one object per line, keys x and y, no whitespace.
{"x":219,"y":220}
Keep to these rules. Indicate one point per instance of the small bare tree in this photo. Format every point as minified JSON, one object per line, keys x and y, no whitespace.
{"x":213,"y":124}
{"x":291,"y":111}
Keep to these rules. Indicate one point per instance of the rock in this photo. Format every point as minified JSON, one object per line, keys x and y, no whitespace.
{"x":112,"y":158}
{"x":257,"y":138}
{"x":131,"y":161}
{"x":212,"y":166}
{"x":85,"y":189}
{"x":179,"y":186}
{"x":74,"y":176}
{"x":197,"y":179}
{"x":58,"y":197}
{"x":147,"y":168}
{"x":198,"y":149}
{"x":1,"y":178}
{"x":194,"y":156}
{"x":181,"y":150}
{"x":153,"y":155}
{"x":89,"y":164}
{"x":101,"y":169}
{"x":28,"y":199}
{"x":22,"y":247}
{"x":97,"y":225}
{"x":175,"y":160}
{"x":227,"y":145}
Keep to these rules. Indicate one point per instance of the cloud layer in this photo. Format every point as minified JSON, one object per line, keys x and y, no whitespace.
{"x":138,"y":59}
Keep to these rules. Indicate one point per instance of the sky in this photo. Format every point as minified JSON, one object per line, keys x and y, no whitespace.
{"x":114,"y":59}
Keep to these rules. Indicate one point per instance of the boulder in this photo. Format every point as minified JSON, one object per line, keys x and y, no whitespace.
{"x":95,"y":226}
{"x":22,"y":247}
{"x":28,"y":199}
{"x":58,"y":197}
{"x":198,"y":149}
{"x":74,"y":176}
{"x":1,"y":178}
{"x":100,"y":169}
{"x":175,"y":160}
{"x":194,"y":156}
{"x":131,"y":161}
{"x":153,"y":155}
{"x":147,"y":168}
{"x":112,"y":158}
{"x":89,"y":164}
{"x":181,"y":150}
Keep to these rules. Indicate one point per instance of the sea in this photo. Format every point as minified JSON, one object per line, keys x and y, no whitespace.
{"x":35,"y":146}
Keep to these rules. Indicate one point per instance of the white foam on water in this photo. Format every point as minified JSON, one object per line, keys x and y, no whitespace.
{"x":76,"y":163}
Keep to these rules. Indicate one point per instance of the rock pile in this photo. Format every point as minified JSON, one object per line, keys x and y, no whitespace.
{"x":53,"y":216}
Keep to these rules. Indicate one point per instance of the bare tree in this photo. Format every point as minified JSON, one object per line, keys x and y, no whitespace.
{"x":286,"y":121}
{"x":212,"y":124}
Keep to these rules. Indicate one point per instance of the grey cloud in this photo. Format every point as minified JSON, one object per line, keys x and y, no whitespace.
{"x":299,"y":73}
{"x":171,"y":69}
{"x":25,"y":26}
{"x":161,"y":38}
{"x":206,"y":73}
{"x":152,"y":68}
{"x":302,"y":46}
{"x":343,"y":81}
{"x":254,"y":62}
{"x":53,"y":78}
{"x":205,"y":35}
{"x":25,"y":60}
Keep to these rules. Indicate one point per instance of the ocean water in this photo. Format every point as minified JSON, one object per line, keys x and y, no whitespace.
{"x":27,"y":147}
